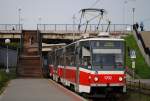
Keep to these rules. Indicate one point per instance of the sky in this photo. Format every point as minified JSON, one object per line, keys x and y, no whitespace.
{"x":62,"y":11}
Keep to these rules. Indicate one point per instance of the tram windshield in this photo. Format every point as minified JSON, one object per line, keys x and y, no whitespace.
{"x":107,"y":55}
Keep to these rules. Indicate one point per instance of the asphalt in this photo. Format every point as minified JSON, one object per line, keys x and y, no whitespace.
{"x":37,"y":90}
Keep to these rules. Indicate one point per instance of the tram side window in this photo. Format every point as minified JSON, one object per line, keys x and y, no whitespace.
{"x":61,"y":60}
{"x":70,"y":50}
{"x":72,"y":60}
{"x":57,"y":60}
{"x":67,"y":60}
{"x":51,"y":58}
{"x":58,"y":56}
{"x":85,"y":54}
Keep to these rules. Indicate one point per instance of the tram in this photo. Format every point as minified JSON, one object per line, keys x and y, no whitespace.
{"x":91,"y":65}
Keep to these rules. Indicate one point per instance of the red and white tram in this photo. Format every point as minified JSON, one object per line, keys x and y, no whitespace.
{"x":90,"y":65}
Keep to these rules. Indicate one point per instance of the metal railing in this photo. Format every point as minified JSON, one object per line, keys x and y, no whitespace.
{"x":70,"y":27}
{"x":139,"y":86}
{"x":9,"y":27}
{"x":90,"y":27}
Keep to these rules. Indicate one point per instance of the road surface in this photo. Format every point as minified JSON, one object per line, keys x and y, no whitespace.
{"x":37,"y":90}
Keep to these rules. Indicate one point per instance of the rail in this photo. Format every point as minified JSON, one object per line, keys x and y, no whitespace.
{"x":90,"y":27}
{"x":139,"y":86}
{"x":11,"y":27}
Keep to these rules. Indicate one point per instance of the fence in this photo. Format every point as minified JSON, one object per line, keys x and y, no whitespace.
{"x":90,"y":27}
{"x":11,"y":27}
{"x":71,"y":27}
{"x":12,"y":57}
{"x":139,"y":86}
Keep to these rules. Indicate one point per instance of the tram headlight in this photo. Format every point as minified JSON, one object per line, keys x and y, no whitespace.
{"x":89,"y":67}
{"x":90,"y":77}
{"x":120,"y":78}
{"x":96,"y":79}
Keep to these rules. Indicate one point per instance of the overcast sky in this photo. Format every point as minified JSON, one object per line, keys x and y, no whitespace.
{"x":62,"y":11}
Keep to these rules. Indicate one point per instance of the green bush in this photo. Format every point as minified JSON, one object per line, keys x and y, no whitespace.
{"x":3,"y":76}
{"x":12,"y":45}
{"x":3,"y":79}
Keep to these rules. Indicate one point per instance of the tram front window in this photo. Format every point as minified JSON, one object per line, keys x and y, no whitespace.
{"x":107,"y":55}
{"x":103,"y":60}
{"x":106,"y":62}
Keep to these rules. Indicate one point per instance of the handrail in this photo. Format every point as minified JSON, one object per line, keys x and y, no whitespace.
{"x":90,"y":27}
{"x":11,"y":27}
{"x":138,"y":86}
{"x":68,"y":27}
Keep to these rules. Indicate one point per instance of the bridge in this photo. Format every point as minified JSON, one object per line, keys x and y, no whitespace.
{"x":61,"y":31}
{"x":57,"y":35}
{"x":48,"y":37}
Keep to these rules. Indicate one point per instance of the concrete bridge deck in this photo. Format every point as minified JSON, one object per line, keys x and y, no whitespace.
{"x":61,"y":31}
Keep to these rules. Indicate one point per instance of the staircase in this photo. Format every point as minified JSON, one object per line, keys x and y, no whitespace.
{"x":146,"y":36}
{"x":30,"y":64}
{"x":142,"y":39}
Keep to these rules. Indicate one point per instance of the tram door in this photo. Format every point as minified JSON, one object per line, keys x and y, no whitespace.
{"x":77,"y":62}
{"x":64,"y":65}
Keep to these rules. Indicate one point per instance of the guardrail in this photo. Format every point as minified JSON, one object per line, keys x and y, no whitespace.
{"x":13,"y":27}
{"x":90,"y":27}
{"x":139,"y":86}
{"x":70,"y":27}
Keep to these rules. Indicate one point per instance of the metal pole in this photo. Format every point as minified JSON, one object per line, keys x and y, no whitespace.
{"x":19,"y":13}
{"x":7,"y":70}
{"x":133,"y":66}
{"x":66,"y":27}
{"x":133,"y":9}
{"x":133,"y":74}
{"x":40,"y":19}
{"x":19,"y":18}
{"x":124,"y":4}
{"x":55,"y":27}
{"x":74,"y":27}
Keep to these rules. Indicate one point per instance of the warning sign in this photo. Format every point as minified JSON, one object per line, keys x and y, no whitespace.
{"x":132,"y":54}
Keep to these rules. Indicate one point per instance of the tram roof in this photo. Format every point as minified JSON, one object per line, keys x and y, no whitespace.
{"x":90,"y":39}
{"x":103,"y":39}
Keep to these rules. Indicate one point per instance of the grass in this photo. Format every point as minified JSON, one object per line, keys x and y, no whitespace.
{"x":4,"y":78}
{"x":12,"y":45}
{"x":141,"y":67}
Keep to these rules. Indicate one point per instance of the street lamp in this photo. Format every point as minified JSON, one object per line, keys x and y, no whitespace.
{"x":40,"y":19}
{"x":7,"y":41}
{"x":19,"y":16}
{"x":133,"y":10}
{"x":124,"y":13}
{"x":73,"y":26}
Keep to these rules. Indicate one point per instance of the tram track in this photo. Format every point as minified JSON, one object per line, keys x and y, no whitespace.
{"x":109,"y":98}
{"x":84,"y":97}
{"x":129,"y":96}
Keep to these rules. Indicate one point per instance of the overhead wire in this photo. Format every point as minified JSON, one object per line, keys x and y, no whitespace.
{"x":95,"y":3}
